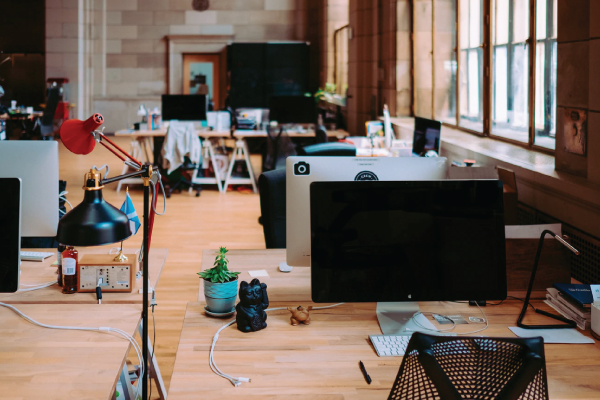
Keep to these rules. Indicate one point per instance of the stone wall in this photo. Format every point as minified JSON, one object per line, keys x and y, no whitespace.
{"x":578,"y":83}
{"x":117,"y":48}
{"x":380,"y":61}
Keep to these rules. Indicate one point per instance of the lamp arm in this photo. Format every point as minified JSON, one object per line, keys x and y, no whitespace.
{"x":141,"y":173}
{"x":567,"y":322}
{"x":100,"y":137}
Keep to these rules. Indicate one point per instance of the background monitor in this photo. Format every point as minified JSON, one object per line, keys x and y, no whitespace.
{"x":293,"y":109}
{"x":426,"y":136}
{"x":407,"y":241}
{"x":302,"y":171}
{"x":10,"y":235}
{"x":36,"y":163}
{"x":184,"y":107}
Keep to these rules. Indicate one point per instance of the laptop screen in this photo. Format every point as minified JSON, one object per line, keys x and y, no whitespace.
{"x":426,"y":136}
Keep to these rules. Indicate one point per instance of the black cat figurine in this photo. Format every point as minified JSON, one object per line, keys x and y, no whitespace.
{"x":251,"y":315}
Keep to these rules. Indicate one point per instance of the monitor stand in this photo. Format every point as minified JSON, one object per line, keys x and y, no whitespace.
{"x":396,"y":318}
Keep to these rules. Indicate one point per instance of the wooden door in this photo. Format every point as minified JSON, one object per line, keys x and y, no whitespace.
{"x":198,"y":68}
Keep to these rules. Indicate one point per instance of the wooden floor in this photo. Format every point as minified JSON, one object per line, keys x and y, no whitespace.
{"x":190,"y":225}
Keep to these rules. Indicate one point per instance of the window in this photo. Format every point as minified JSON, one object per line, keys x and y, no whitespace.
{"x":510,"y":61}
{"x":472,"y":62}
{"x":435,"y":59}
{"x":471,"y":65}
{"x":545,"y":73}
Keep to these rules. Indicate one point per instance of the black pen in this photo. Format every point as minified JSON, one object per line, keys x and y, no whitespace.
{"x":364,"y":371}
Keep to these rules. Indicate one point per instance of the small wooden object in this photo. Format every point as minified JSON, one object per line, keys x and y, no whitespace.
{"x":118,"y":276}
{"x":300,"y":315}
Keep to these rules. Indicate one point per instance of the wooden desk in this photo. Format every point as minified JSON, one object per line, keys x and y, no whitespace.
{"x":320,"y":361}
{"x":39,"y":363}
{"x":239,"y":133}
{"x":33,"y":273}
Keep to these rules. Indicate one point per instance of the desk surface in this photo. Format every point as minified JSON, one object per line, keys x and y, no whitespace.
{"x":320,"y":361}
{"x":39,"y":363}
{"x":339,"y":133}
{"x":33,"y":273}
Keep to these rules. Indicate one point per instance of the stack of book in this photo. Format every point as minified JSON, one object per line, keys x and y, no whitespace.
{"x":572,"y":301}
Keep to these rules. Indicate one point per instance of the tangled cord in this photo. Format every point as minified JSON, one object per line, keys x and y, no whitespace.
{"x":127,"y":336}
{"x":487,"y":324}
{"x":237,"y":381}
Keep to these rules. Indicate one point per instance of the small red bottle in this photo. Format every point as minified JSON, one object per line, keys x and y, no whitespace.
{"x":70,"y":260}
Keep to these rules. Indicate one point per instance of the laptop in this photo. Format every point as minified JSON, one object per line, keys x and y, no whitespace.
{"x":426,"y":137}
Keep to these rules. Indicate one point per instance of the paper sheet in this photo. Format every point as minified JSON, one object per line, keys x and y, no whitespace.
{"x":258,"y":273}
{"x":553,"y":335}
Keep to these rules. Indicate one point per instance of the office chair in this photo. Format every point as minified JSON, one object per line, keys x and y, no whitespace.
{"x":271,"y":185}
{"x":47,"y":120}
{"x":180,"y":146}
{"x":328,"y":149}
{"x":455,"y":368}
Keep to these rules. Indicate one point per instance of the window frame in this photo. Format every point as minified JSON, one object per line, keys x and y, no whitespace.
{"x":486,"y":74}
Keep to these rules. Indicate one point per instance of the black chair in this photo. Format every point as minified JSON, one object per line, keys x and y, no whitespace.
{"x":455,"y":368}
{"x":271,"y":185}
{"x":46,"y":122}
{"x":328,"y":149}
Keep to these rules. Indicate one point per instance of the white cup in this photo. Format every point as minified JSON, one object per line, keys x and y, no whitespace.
{"x":13,"y":104}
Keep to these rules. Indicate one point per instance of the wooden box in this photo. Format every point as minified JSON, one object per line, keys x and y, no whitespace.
{"x":120,"y":275}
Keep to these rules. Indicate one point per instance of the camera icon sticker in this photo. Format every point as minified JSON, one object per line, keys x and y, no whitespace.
{"x":302,"y":168}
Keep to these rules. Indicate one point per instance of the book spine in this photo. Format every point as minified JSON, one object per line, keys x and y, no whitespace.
{"x":581,"y":323}
{"x":573,"y":307}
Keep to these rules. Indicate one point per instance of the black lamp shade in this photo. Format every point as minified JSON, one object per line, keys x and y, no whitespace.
{"x":94,"y":222}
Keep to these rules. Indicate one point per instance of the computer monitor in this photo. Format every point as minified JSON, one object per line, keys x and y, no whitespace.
{"x":10,"y":234}
{"x":293,"y":109}
{"x":184,"y":107}
{"x":407,"y":241}
{"x":426,"y":136}
{"x":36,"y":163}
{"x":302,"y":171}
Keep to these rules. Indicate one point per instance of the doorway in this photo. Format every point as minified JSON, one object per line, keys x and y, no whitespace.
{"x":203,"y":74}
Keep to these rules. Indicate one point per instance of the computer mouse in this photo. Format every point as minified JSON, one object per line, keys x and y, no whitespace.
{"x":283,"y":267}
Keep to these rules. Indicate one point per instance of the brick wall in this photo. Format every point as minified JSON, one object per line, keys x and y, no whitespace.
{"x":123,"y":62}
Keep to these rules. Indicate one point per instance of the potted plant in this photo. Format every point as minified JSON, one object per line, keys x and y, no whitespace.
{"x":220,"y":285}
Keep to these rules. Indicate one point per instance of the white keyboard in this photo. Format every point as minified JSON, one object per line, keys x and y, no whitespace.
{"x":390,"y":345}
{"x":34,"y":256}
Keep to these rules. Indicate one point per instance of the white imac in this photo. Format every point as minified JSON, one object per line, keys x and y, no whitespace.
{"x":36,"y":163}
{"x":302,"y":171}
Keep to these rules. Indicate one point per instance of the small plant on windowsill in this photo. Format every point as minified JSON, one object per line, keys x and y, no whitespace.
{"x":220,"y":285}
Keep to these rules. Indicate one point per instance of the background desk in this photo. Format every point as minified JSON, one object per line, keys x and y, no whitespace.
{"x":33,"y":273}
{"x":320,"y":361}
{"x":39,"y":363}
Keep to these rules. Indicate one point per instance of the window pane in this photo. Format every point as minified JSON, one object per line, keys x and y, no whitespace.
{"x":423,"y":58}
{"x":500,"y":85}
{"x":471,"y":65}
{"x":474,"y":23}
{"x":540,"y":20}
{"x":545,"y":76}
{"x":445,"y":61}
{"x":510,"y":104}
{"x":501,"y":23}
{"x":520,"y":23}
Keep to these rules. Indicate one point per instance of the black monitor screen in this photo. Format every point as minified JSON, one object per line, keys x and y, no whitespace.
{"x":407,"y":241}
{"x":426,"y":136}
{"x":10,"y":202}
{"x":184,"y":107}
{"x":293,"y":109}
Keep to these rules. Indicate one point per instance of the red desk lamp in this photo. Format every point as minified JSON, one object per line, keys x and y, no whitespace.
{"x":95,"y":222}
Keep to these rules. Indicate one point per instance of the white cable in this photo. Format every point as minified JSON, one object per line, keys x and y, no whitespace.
{"x":487,"y":323}
{"x":237,"y":381}
{"x":37,"y":287}
{"x":127,"y":336}
{"x":63,"y":196}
